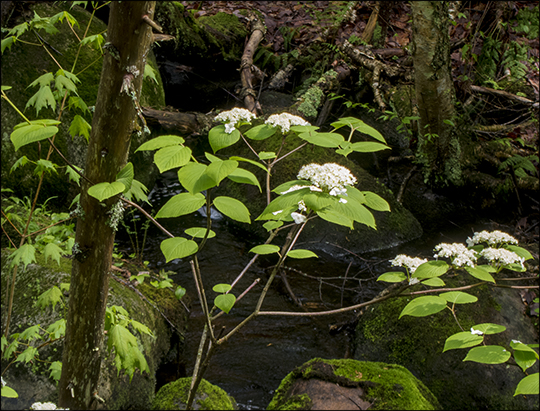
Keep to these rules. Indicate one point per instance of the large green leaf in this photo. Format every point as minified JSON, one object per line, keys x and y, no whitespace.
{"x":137,"y":190}
{"x":178,"y":247}
{"x":368,"y":147}
{"x":8,"y":392}
{"x":218,"y":170}
{"x":355,"y":211}
{"x":219,"y":139}
{"x":434,"y":282}
{"x":458,"y":297}
{"x":160,"y":142}
{"x":27,"y":134}
{"x":525,"y":359}
{"x":322,"y":139}
{"x":260,"y":132}
{"x":480,"y":273}
{"x":58,"y":328}
{"x":171,"y":157}
{"x":53,"y":251}
{"x":225,"y":302}
{"x":336,"y":218}
{"x":221,"y":288}
{"x":80,"y":127}
{"x":431,"y":269}
{"x":317,"y":201}
{"x":102,"y":191}
{"x":528,"y":385}
{"x":375,"y":201}
{"x":489,"y":328}
{"x":244,"y":177}
{"x":392,"y":277}
{"x":125,"y":176}
{"x":285,"y":186}
{"x":462,"y":340}
{"x":247,"y":160}
{"x":50,"y":297}
{"x":194,"y":178}
{"x":265,"y":249}
{"x":25,"y":254}
{"x":301,"y":254}
{"x":181,"y":204}
{"x":43,"y":98}
{"x":128,"y":355}
{"x":424,"y":306}
{"x":488,"y":354}
{"x":199,"y":232}
{"x":232,"y":208}
{"x":519,"y":251}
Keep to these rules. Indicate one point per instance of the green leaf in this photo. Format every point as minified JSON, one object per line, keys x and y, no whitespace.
{"x":128,"y":355}
{"x":488,"y":354}
{"x":331,"y":140}
{"x":50,"y":297}
{"x":77,"y":102}
{"x":178,"y":247}
{"x":43,"y":80}
{"x":27,"y":133}
{"x":458,"y":297}
{"x":244,"y":177}
{"x":336,"y":218}
{"x":53,"y":251}
{"x":271,"y":225}
{"x":180,"y":292}
{"x":525,"y":359}
{"x":160,"y":142}
{"x":301,"y":254}
{"x":220,"y":169}
{"x":489,"y":328}
{"x":141,"y":328}
{"x":194,"y":178}
{"x":434,"y":282}
{"x":285,"y":186}
{"x":8,"y":392}
{"x":221,"y":288}
{"x":95,"y":41}
{"x":60,"y":17}
{"x":27,"y":355}
{"x":355,"y":211}
{"x":374,"y":201}
{"x":317,"y":201}
{"x":171,"y":157}
{"x":431,"y":269}
{"x":43,"y":98}
{"x":255,"y":163}
{"x":462,"y":340}
{"x":150,"y":72}
{"x":56,"y":370}
{"x":265,"y":249}
{"x":359,"y":125}
{"x":263,"y":155}
{"x":181,"y":204}
{"x":392,"y":277}
{"x":80,"y":127}
{"x":65,"y":81}
{"x":424,"y":306}
{"x":7,"y":42}
{"x":137,"y":190}
{"x":199,"y":232}
{"x":519,"y":251}
{"x":73,"y":175}
{"x":225,"y":302}
{"x":368,"y":147}
{"x":260,"y":132}
{"x":103,"y":191}
{"x":232,"y":208}
{"x":25,"y":254}
{"x":125,"y":176}
{"x":57,"y":329}
{"x":219,"y":139}
{"x":528,"y":385}
{"x":19,"y":163}
{"x":43,"y":165}
{"x":480,"y":273}
{"x":31,"y":333}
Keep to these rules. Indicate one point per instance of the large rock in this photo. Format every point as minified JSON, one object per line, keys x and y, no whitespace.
{"x":417,"y":344}
{"x":22,"y":64}
{"x":173,"y":396}
{"x":32,"y":382}
{"x":351,"y":385}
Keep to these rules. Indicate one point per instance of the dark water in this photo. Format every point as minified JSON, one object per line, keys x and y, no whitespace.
{"x":255,"y":360}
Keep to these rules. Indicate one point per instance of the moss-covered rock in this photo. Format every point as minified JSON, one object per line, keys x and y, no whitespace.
{"x":417,"y":343}
{"x":349,"y":384}
{"x":22,"y":64}
{"x":174,"y":396}
{"x":32,"y":382}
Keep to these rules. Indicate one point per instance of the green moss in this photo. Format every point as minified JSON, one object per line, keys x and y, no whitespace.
{"x":225,"y":29}
{"x":173,"y":396}
{"x":390,"y":386}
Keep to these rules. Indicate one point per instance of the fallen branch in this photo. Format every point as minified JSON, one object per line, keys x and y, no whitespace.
{"x":178,"y":122}
{"x":503,"y":94}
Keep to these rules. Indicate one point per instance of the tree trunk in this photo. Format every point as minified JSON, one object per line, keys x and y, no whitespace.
{"x":438,"y":145}
{"x":115,"y":119}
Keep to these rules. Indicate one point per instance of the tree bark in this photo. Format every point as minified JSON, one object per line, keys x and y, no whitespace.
{"x":115,"y":119}
{"x":438,"y":145}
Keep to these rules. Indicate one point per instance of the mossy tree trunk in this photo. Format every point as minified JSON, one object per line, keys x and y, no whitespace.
{"x":438,"y":145}
{"x":114,"y":121}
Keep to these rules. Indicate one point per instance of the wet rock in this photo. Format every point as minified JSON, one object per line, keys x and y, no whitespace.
{"x":351,"y":385}
{"x":174,"y":395}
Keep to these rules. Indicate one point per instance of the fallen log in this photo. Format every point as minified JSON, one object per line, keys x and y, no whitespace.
{"x":183,"y":123}
{"x":501,"y":93}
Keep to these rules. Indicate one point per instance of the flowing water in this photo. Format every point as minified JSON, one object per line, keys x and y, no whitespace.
{"x":254,"y":361}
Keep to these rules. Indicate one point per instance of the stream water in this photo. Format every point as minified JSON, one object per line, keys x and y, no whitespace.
{"x":251,"y":365}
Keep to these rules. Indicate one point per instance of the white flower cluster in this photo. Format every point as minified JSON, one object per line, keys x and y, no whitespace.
{"x":234,"y":116}
{"x":493,"y":238}
{"x":330,"y":176}
{"x":413,"y":281}
{"x":411,"y":263}
{"x":476,"y":332}
{"x":45,"y":406}
{"x":501,"y":256}
{"x":458,"y":253}
{"x":298,"y":218}
{"x":285,"y":121}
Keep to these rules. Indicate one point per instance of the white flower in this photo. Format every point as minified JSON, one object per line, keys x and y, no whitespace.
{"x":298,"y":218}
{"x":493,"y":238}
{"x":413,"y":281}
{"x":409,"y":262}
{"x":299,"y":187}
{"x":285,"y":121}
{"x":342,"y":200}
{"x":477,"y":332}
{"x":302,"y":205}
{"x":517,"y":342}
{"x":329,"y":177}
{"x":501,"y":256}
{"x":458,"y":253}
{"x":3,"y":382}
{"x":44,"y":406}
{"x":277,"y":212}
{"x":234,"y":116}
